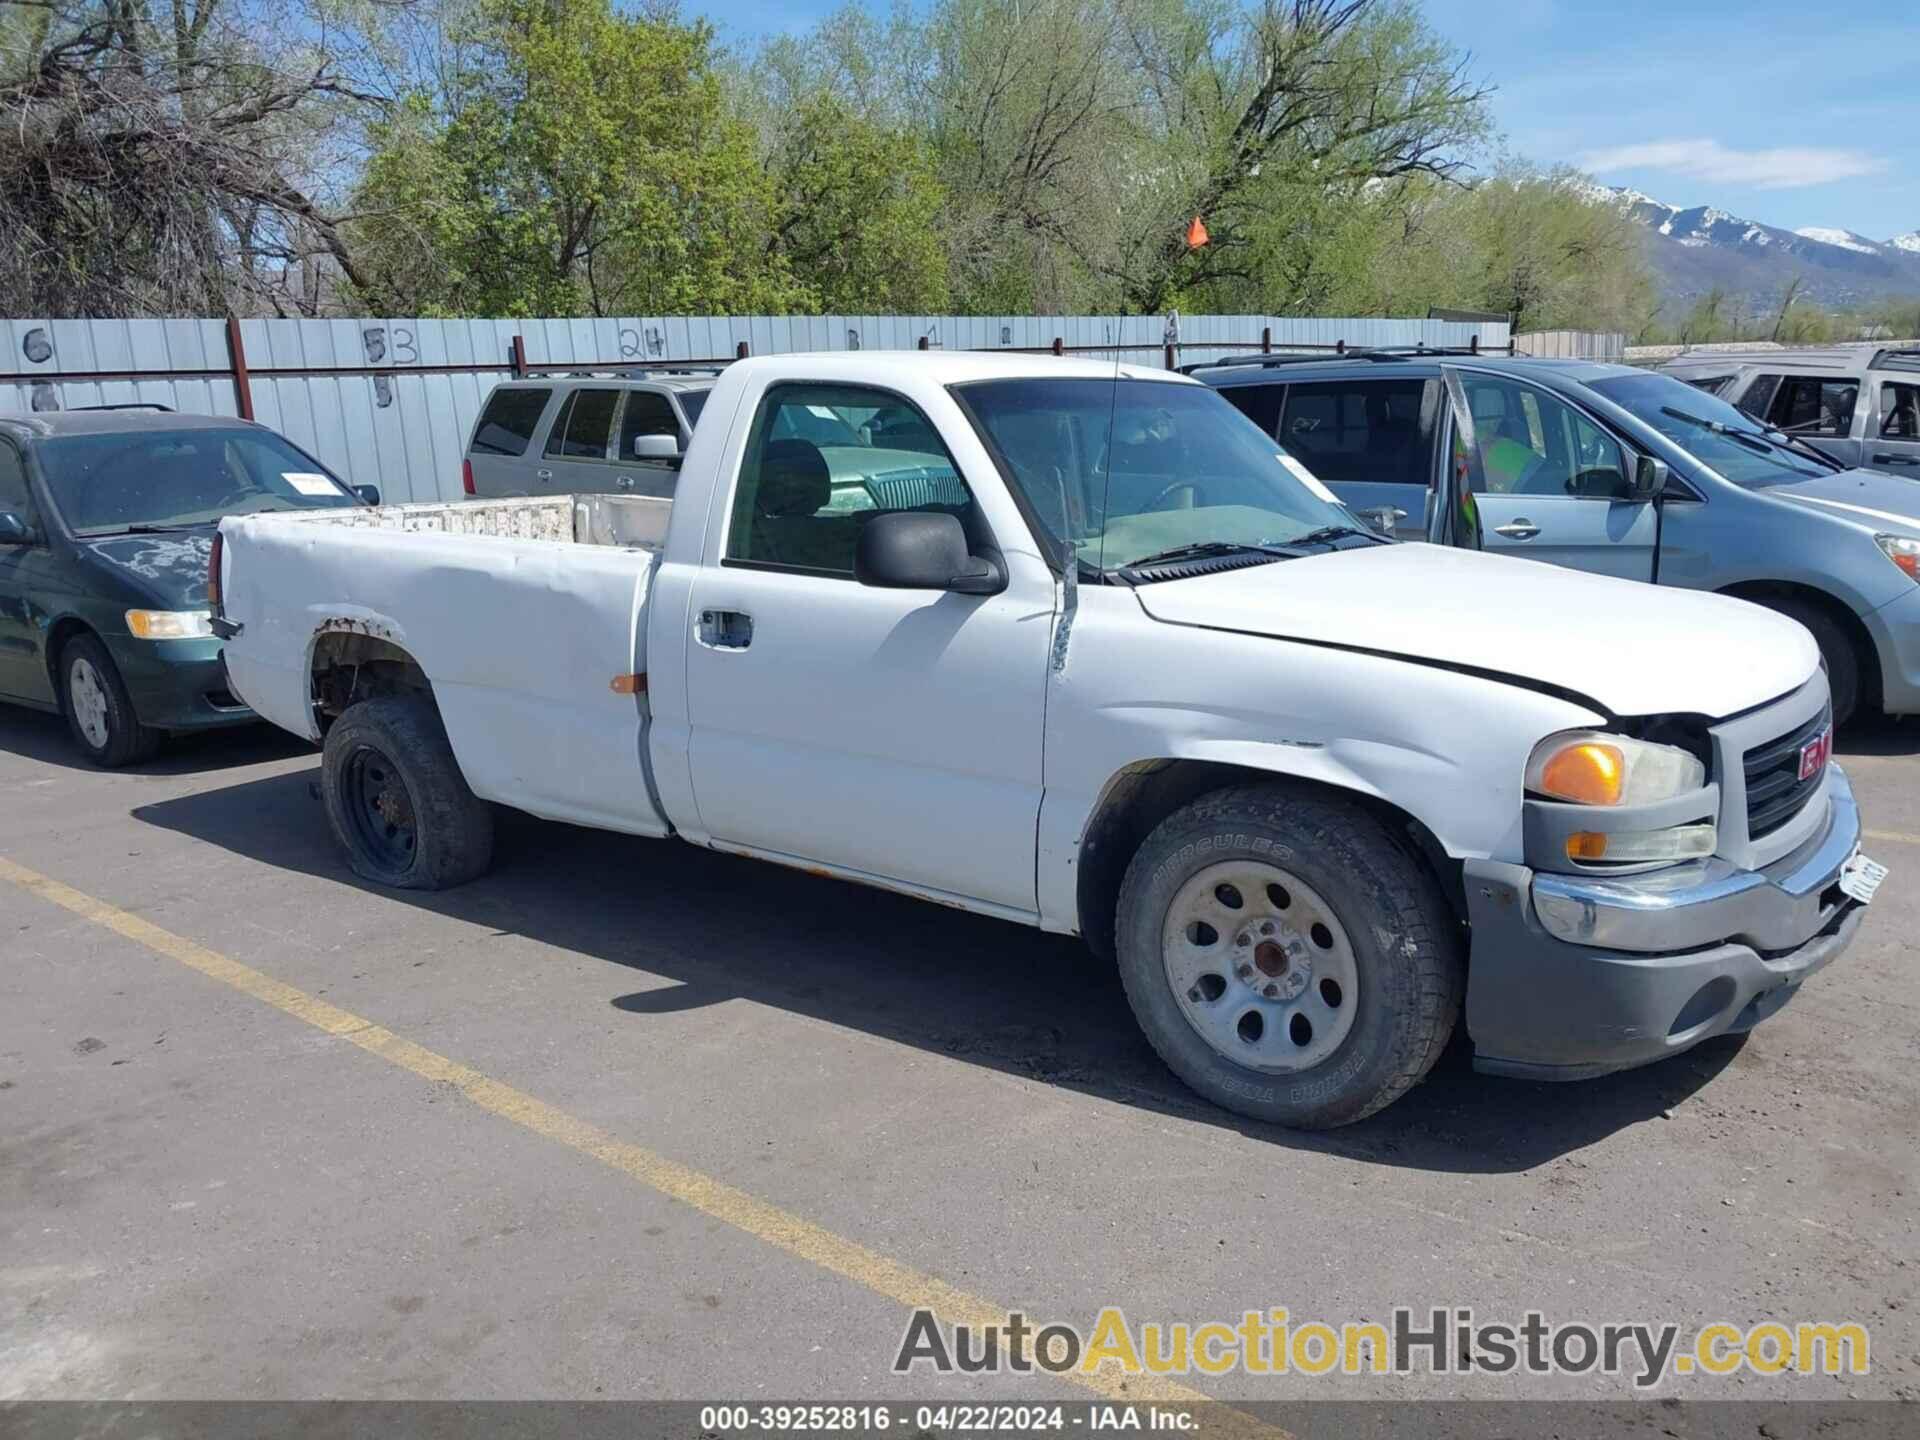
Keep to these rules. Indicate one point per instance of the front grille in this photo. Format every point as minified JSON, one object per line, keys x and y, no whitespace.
{"x":1775,"y":791}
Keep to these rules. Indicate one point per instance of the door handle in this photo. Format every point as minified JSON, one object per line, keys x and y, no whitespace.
{"x":543,"y":474}
{"x":1519,"y":529}
{"x":1896,"y":460}
{"x":623,"y":482}
{"x":724,"y":629}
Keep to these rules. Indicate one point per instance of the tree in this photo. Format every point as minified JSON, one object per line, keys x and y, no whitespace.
{"x":165,"y":161}
{"x":584,"y":159}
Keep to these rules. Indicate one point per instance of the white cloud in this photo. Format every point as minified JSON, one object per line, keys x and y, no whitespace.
{"x":1786,"y":168}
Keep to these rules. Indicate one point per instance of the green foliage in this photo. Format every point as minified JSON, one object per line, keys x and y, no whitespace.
{"x":584,"y":160}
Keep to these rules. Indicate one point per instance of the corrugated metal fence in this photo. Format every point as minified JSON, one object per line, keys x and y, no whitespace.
{"x":391,"y":401}
{"x":1574,"y":344}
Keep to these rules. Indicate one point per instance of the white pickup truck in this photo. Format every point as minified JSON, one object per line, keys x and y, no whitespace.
{"x":1075,"y":646}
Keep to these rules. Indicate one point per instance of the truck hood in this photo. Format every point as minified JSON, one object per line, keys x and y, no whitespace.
{"x":170,"y":569}
{"x":1889,"y":504}
{"x":1633,"y":649}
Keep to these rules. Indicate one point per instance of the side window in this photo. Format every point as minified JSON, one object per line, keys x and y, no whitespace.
{"x":1534,"y":443}
{"x":507,"y":424}
{"x":1759,"y":395}
{"x":647,"y":413}
{"x":584,"y":427}
{"x":1365,"y":430}
{"x":800,"y":503}
{"x":1811,"y":405}
{"x":15,"y":496}
{"x":1259,"y":403}
{"x":1900,"y":412}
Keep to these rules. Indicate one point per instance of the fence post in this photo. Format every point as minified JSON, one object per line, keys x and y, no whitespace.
{"x":1266,"y":339}
{"x":237,"y":360}
{"x":1170,"y":358}
{"x":1059,"y":346}
{"x":740,"y":351}
{"x":517,"y":353}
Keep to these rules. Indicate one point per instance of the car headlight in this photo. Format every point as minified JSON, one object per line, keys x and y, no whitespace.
{"x":1591,"y":767}
{"x":1903,"y":552}
{"x":169,"y":624}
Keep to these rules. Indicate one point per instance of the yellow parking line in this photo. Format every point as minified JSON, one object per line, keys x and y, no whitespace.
{"x":1898,"y":837}
{"x":763,"y":1221}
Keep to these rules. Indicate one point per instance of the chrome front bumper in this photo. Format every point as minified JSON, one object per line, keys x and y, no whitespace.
{"x":1709,"y":901}
{"x":1575,"y":976}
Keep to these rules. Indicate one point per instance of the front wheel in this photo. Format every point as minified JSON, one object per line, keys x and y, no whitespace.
{"x":397,"y":801}
{"x":1288,"y":956}
{"x":98,"y":709}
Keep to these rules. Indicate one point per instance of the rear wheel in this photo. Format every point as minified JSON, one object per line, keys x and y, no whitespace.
{"x":397,"y":801}
{"x":98,"y":709}
{"x":1288,"y":956}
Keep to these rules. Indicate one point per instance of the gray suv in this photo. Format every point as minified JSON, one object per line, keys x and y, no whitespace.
{"x":1615,"y":470}
{"x":1858,"y":403}
{"x":578,"y":434}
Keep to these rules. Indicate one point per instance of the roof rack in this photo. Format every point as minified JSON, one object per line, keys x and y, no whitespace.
{"x":1377,"y":353}
{"x":126,"y":405}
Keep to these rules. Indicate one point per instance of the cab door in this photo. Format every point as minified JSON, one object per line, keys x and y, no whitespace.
{"x":1893,"y":430}
{"x":1546,"y":480}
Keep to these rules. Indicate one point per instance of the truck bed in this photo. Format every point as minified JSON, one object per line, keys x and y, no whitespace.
{"x":527,"y":617}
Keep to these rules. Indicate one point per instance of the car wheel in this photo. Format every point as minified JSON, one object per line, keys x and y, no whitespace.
{"x":1288,"y":956}
{"x":397,"y":801}
{"x":1836,"y":652}
{"x":98,"y":709}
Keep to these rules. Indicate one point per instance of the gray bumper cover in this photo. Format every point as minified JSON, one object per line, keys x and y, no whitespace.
{"x":1575,"y":976}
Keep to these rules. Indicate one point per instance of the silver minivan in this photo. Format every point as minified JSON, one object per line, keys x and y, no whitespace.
{"x":1858,"y":403}
{"x":578,"y":434}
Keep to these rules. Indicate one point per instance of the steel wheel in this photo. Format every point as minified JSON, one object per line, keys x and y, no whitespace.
{"x":1260,"y":966}
{"x":87,"y":694}
{"x":380,"y":808}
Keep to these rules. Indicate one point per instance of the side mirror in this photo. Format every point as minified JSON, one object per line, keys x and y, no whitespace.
{"x":14,"y":529}
{"x":918,"y":550}
{"x":368,"y":493}
{"x":1383,"y":517}
{"x":661,"y":449}
{"x":1649,"y":478}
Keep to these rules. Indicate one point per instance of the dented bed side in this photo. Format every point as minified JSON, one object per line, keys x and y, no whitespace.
{"x":521,"y":615}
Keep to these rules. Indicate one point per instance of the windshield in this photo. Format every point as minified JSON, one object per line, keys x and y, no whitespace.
{"x":1726,"y":440}
{"x":1186,"y":467}
{"x":167,"y":479}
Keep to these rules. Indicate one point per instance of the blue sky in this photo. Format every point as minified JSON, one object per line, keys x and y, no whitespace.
{"x":1783,"y":111}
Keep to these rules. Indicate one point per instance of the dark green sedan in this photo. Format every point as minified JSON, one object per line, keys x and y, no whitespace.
{"x":106,"y":520}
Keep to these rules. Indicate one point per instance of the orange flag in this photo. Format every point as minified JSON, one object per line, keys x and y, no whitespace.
{"x":1197,"y":234}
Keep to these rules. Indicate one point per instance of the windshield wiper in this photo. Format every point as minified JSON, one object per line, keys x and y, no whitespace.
{"x":1327,"y":534}
{"x":143,"y":528}
{"x":1211,"y":547}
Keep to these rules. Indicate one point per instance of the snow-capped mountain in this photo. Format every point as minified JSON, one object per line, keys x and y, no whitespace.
{"x":1845,"y":239}
{"x":1698,"y":248}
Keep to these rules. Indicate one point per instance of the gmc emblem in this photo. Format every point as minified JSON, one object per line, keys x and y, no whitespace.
{"x":1815,"y":754}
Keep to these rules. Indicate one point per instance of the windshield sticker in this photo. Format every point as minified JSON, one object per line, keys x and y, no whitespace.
{"x":1305,"y":476}
{"x":824,"y":412}
{"x":308,"y":483}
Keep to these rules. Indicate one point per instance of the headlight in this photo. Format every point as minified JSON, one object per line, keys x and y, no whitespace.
{"x":1590,"y":767}
{"x":169,"y":624}
{"x":1903,"y":552}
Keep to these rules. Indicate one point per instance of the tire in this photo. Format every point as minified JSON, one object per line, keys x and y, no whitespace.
{"x":99,"y":711}
{"x":1354,"y":906}
{"x":397,"y":801}
{"x":1836,"y":650}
